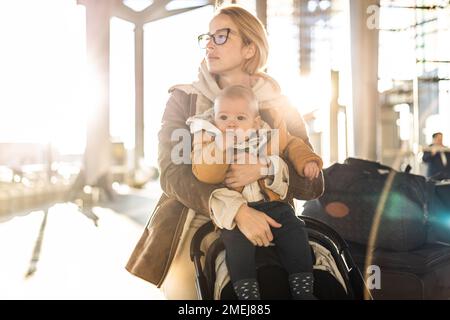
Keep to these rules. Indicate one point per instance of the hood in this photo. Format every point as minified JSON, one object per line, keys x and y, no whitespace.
{"x":203,"y":121}
{"x":266,"y":88}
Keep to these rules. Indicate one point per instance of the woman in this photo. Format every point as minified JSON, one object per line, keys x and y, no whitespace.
{"x":236,"y":53}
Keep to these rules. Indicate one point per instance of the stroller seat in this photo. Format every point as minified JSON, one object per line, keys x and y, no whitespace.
{"x":336,"y":275}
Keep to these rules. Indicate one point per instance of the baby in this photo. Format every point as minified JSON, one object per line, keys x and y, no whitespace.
{"x":236,"y":111}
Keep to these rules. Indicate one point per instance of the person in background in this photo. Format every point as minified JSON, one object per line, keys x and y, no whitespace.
{"x":437,"y":158}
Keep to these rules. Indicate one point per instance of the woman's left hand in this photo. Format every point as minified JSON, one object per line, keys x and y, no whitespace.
{"x":251,"y":170}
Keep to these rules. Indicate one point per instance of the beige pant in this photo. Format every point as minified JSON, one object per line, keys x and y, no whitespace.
{"x":179,"y":283}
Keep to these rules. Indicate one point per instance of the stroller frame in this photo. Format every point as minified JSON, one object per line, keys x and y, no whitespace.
{"x":318,"y":232}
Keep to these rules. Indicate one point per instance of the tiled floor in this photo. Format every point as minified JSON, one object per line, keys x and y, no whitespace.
{"x":77,"y":260}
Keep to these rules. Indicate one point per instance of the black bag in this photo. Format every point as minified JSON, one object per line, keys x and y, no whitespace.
{"x":420,"y":274}
{"x":353,"y":191}
{"x":439,"y":212}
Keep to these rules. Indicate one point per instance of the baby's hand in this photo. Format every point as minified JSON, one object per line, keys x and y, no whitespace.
{"x":311,"y":170}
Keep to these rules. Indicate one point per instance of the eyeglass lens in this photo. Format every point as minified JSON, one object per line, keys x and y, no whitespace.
{"x":219,"y":38}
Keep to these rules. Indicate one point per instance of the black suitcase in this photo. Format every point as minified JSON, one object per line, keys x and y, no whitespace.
{"x":439,"y":212}
{"x":352,"y":192}
{"x":420,"y":274}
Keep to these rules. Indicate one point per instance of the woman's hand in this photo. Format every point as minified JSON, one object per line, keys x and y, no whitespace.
{"x":255,"y":225}
{"x":252,"y":169}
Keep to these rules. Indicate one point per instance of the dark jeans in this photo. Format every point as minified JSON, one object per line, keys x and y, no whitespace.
{"x":291,"y":243}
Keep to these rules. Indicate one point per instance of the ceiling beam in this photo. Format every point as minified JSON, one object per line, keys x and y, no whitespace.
{"x":156,"y":11}
{"x":123,"y":12}
{"x":163,"y":13}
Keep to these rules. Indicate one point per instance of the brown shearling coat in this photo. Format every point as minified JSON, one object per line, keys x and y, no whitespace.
{"x":154,"y":252}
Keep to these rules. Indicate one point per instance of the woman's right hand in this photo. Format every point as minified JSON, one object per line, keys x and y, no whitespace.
{"x":255,"y":225}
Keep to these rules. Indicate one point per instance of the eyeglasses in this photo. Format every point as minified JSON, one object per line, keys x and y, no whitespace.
{"x":219,"y":38}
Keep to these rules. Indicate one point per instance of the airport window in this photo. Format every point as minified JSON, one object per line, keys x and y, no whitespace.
{"x":43,"y":74}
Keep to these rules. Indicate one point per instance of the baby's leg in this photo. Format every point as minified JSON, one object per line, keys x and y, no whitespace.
{"x":240,"y":259}
{"x":292,"y":245}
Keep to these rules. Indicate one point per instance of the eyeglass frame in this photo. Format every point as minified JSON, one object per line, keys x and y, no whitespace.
{"x":213,"y":36}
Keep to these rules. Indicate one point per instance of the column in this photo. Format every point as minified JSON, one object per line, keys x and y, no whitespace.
{"x":364,"y":54}
{"x":139,"y":92}
{"x":98,"y":149}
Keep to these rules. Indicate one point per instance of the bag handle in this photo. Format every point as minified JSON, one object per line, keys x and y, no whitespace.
{"x":367,"y":164}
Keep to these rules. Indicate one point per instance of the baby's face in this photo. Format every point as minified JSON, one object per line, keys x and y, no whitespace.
{"x":235,"y":113}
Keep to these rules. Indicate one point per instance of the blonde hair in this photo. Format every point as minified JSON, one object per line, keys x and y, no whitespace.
{"x":251,"y":31}
{"x":238,"y":92}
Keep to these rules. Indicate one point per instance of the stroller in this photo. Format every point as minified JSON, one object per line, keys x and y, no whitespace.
{"x":336,"y":276}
